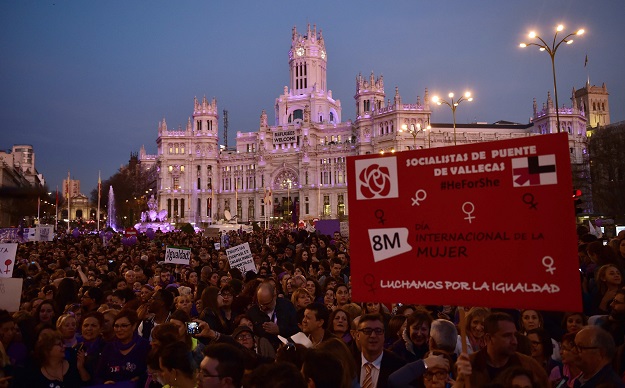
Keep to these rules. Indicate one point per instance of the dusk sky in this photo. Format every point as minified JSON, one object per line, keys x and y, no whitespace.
{"x":86,"y":82}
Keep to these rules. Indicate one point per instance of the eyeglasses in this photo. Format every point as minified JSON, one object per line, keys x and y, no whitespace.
{"x":206,"y":374}
{"x":440,"y":375}
{"x":225,"y":294}
{"x":368,"y":331}
{"x":268,"y":304}
{"x":580,"y":348}
{"x":244,"y":337}
{"x":121,"y":325}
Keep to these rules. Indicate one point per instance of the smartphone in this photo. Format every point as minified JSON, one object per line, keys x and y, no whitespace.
{"x":110,"y":261}
{"x":193,"y":328}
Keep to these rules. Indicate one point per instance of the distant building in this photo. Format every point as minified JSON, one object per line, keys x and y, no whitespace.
{"x":295,"y":168}
{"x":593,"y":100}
{"x":17,"y":174}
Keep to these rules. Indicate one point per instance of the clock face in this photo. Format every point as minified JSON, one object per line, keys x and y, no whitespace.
{"x":323,"y":54}
{"x":300,"y":51}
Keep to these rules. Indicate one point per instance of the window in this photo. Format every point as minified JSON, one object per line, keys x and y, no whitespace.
{"x":176,"y":183}
{"x":341,"y":206}
{"x":169,"y":207}
{"x":250,"y":209}
{"x":182,"y":168}
{"x":331,"y":117}
{"x":182,"y":207}
{"x":298,"y":114}
{"x":239,"y":209}
{"x":209,"y":207}
{"x":326,"y":205}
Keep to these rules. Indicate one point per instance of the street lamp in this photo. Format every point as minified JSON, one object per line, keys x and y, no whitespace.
{"x":415,"y":131}
{"x":453,"y":105}
{"x":551,"y":50}
{"x":288,"y":194}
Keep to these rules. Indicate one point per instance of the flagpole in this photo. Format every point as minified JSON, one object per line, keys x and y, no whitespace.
{"x":56,"y":209}
{"x":69,"y":201}
{"x":99,"y":190}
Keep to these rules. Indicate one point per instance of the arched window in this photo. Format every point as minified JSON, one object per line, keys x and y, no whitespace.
{"x":298,"y":114}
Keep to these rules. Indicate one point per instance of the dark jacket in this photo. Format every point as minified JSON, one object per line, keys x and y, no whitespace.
{"x":390,"y":363}
{"x":606,"y":377}
{"x":286,"y":318}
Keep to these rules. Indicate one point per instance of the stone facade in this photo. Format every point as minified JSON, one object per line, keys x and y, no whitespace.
{"x":299,"y":161}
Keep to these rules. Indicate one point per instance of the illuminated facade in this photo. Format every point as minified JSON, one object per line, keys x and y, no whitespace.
{"x":299,"y":161}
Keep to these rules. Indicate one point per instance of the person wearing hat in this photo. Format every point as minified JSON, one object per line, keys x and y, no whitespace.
{"x":244,"y":335}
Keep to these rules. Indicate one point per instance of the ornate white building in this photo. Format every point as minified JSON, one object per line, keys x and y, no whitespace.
{"x":299,"y":161}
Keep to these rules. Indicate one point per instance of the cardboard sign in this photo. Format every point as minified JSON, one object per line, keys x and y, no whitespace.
{"x":7,"y":259}
{"x":10,"y":294}
{"x":486,"y":224}
{"x":44,"y":233}
{"x":176,"y":255}
{"x":241,"y":257}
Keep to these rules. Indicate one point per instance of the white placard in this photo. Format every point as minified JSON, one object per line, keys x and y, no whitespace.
{"x":241,"y":257}
{"x":10,"y":294}
{"x":7,"y":259}
{"x":44,"y":233}
{"x":217,"y":246}
{"x":177,"y":255}
{"x":344,"y":229}
{"x":284,"y":137}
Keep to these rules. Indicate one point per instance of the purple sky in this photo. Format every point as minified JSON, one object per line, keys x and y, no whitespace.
{"x":86,"y":82}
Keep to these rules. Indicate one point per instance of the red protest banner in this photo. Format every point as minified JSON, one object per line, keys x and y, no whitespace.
{"x":486,"y":224}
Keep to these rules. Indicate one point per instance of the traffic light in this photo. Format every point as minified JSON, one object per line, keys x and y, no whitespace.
{"x":577,"y":201}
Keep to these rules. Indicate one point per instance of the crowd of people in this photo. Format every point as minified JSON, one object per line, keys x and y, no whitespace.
{"x":96,"y":312}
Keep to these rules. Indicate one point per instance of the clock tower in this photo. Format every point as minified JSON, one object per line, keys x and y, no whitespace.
{"x":308,"y":89}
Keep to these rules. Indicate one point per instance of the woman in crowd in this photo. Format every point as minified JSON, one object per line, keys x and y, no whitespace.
{"x":396,"y":326}
{"x":315,"y":290}
{"x":475,"y":329}
{"x":53,"y":369}
{"x":263,"y":350}
{"x":608,"y":280}
{"x":66,"y":326}
{"x":301,"y":298}
{"x":530,"y":319}
{"x":125,"y":358}
{"x":573,"y":322}
{"x":339,"y":324}
{"x":226,"y":310}
{"x":313,"y":249}
{"x":262,"y":346}
{"x":569,"y":370}
{"x":184,"y":303}
{"x":414,"y":342}
{"x":302,"y":258}
{"x":342,"y":295}
{"x":542,"y":349}
{"x":46,"y":313}
{"x":180,"y":319}
{"x":329,"y":298}
{"x":92,"y":344}
{"x":211,"y":302}
{"x":177,"y":369}
{"x":340,"y":350}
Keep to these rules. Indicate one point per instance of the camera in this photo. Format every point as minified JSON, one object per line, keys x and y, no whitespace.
{"x":193,"y":328}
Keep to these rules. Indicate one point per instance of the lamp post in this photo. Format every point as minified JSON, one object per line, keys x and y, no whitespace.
{"x":453,"y":104}
{"x":415,"y":131}
{"x":551,"y":50}
{"x":288,"y":194}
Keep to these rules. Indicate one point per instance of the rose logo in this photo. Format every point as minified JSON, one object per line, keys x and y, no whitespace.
{"x":375,"y":180}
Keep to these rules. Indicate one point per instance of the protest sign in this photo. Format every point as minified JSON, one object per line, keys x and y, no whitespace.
{"x":177,"y":255}
{"x":44,"y":233}
{"x":7,"y":259}
{"x":241,"y":257}
{"x":485,"y":224}
{"x":10,"y":294}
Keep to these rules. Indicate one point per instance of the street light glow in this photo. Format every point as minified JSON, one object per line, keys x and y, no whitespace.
{"x":532,"y":34}
{"x":560,"y":28}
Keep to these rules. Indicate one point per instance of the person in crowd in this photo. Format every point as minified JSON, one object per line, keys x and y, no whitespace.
{"x":226,"y":297}
{"x":91,"y":299}
{"x":222,"y":366}
{"x":46,"y":313}
{"x":615,"y":322}
{"x":395,"y":328}
{"x":301,"y":298}
{"x":329,"y":298}
{"x":159,"y":309}
{"x":66,"y":326}
{"x":53,"y":369}
{"x":339,"y":324}
{"x":259,"y":346}
{"x":567,"y":372}
{"x":16,"y":350}
{"x":340,"y":350}
{"x":572,"y":322}
{"x":442,"y":342}
{"x":374,"y":364}
{"x":475,"y":329}
{"x":542,"y":348}
{"x":499,"y":354}
{"x":532,"y":319}
{"x":277,"y":375}
{"x":184,"y":303}
{"x":125,"y":358}
{"x":272,"y":315}
{"x":181,"y":320}
{"x":176,"y":367}
{"x":414,"y":342}
{"x":211,"y":314}
{"x":315,"y":290}
{"x":315,"y":323}
{"x":342,"y":295}
{"x":322,"y":369}
{"x":516,"y":377}
{"x":262,"y":346}
{"x":595,"y":348}
{"x":92,"y":341}
{"x":108,"y":334}
{"x":608,"y":280}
